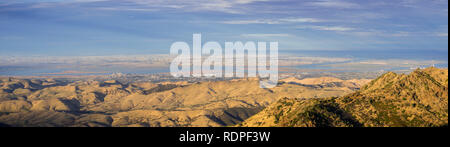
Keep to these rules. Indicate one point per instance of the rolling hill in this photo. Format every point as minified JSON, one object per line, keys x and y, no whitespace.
{"x":48,"y":102}
{"x":419,"y":99}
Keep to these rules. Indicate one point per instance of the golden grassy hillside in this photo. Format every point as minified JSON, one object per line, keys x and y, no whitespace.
{"x":111,"y":103}
{"x":419,"y":99}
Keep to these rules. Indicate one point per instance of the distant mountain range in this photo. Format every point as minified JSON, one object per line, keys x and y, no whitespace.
{"x":419,"y":99}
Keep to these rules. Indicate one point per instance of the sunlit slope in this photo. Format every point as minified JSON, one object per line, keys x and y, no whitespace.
{"x":419,"y":99}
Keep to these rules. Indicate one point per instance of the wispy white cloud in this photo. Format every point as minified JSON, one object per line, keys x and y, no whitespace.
{"x":442,"y":31}
{"x":265,"y":35}
{"x":226,"y":6}
{"x":340,"y":4}
{"x":327,"y":28}
{"x":274,"y":21}
{"x":304,"y":20}
{"x":381,"y":33}
{"x":333,"y":28}
{"x":442,"y":34}
{"x":360,"y":31}
{"x":420,"y":3}
{"x":127,"y":9}
{"x":256,"y":21}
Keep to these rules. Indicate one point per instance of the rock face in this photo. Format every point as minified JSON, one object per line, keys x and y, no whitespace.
{"x":111,"y":103}
{"x":419,"y":99}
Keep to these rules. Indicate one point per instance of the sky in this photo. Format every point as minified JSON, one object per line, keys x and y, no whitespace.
{"x":130,"y":27}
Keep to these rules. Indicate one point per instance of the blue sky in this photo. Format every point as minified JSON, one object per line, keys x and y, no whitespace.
{"x":117,"y":27}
